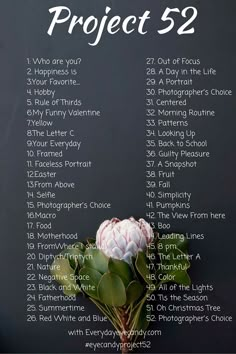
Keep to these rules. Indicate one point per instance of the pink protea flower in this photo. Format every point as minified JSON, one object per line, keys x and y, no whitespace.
{"x":123,"y":239}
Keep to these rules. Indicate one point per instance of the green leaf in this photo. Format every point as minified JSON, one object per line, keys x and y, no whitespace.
{"x":64,"y":275}
{"x":91,"y":240}
{"x":133,"y":292}
{"x":142,"y":317}
{"x":141,"y":265}
{"x":111,"y":290}
{"x":96,"y":259}
{"x":174,"y":260}
{"x":122,"y":269}
{"x":80,"y":246}
{"x":182,"y":278}
{"x":89,"y":279}
{"x":173,"y":242}
{"x":143,"y":323}
{"x":179,"y":277}
{"x":75,"y":255}
{"x":135,"y":272}
{"x":173,"y":267}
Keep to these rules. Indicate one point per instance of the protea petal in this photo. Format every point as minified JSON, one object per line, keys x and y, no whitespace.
{"x":142,"y":243}
{"x":135,"y":235}
{"x":127,"y":257}
{"x":123,"y":239}
{"x":110,"y":244}
{"x":117,"y":253}
{"x":121,"y":242}
{"x":132,"y":247}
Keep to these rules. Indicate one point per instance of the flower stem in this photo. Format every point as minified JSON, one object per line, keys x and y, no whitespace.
{"x":129,"y":313}
{"x":125,"y":331}
{"x":107,"y":314}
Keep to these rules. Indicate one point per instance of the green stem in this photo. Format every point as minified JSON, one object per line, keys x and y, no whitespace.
{"x":113,"y":315}
{"x":101,"y":308}
{"x":145,"y":297}
{"x":130,"y":313}
{"x":137,"y":314}
{"x":124,"y":337}
{"x":137,"y":305}
{"x":118,"y":316}
{"x":128,"y":308}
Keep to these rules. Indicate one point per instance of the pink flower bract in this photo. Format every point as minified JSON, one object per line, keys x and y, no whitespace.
{"x":123,"y":239}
